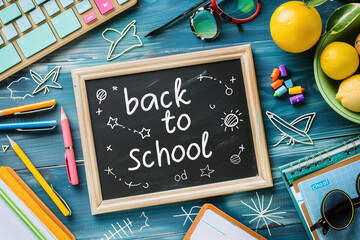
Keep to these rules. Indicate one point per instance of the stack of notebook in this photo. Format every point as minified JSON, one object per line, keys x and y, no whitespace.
{"x":23,"y":215}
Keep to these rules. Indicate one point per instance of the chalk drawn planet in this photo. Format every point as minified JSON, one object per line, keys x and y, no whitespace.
{"x":231,"y":120}
{"x":235,"y":159}
{"x":101,"y":95}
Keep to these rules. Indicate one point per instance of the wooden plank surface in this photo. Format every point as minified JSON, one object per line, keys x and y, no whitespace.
{"x":46,"y":150}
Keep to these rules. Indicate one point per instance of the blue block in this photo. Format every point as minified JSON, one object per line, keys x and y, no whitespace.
{"x":37,"y":16}
{"x":51,"y":7}
{"x":9,"y":13}
{"x":66,"y":3}
{"x":288,"y":83}
{"x":9,"y":32}
{"x":23,"y":24}
{"x":83,"y":6}
{"x":26,"y":5}
{"x":9,"y":57}
{"x":66,"y":23}
{"x":36,"y":40}
{"x":122,"y":1}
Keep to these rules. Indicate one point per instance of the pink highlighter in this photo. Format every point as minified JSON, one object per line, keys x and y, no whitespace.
{"x":69,"y":150}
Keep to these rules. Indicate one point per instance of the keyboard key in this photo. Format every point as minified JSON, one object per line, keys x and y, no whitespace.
{"x":66,"y":23}
{"x":9,"y":1}
{"x":51,"y":8}
{"x":83,"y":6}
{"x":9,"y":32}
{"x":66,"y":3}
{"x":1,"y":3}
{"x":104,"y":6}
{"x":120,"y":2}
{"x":38,"y":2}
{"x":37,"y":16}
{"x":36,"y":40}
{"x":23,"y":24}
{"x":26,"y":5}
{"x":9,"y":13}
{"x":89,"y":18}
{"x":9,"y":57}
{"x":1,"y":41}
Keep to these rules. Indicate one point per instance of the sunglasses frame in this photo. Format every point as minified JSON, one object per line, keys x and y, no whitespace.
{"x":324,"y":222}
{"x":216,"y":7}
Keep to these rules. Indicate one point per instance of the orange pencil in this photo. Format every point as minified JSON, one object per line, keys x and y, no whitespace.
{"x":40,"y":106}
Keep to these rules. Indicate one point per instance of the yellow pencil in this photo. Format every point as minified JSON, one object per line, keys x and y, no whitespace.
{"x":39,"y":178}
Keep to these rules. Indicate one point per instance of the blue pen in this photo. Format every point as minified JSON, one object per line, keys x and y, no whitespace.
{"x":29,"y":126}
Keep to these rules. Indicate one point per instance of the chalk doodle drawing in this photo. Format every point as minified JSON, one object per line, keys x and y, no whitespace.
{"x":288,"y":130}
{"x":43,"y":83}
{"x":5,"y":147}
{"x":127,"y":229}
{"x":212,"y":106}
{"x":14,"y":93}
{"x":99,"y":111}
{"x":228,"y":90}
{"x":114,"y":88}
{"x":146,"y":220}
{"x":109,"y":171}
{"x":235,"y":158}
{"x":113,"y":122}
{"x":108,"y":148}
{"x":131,"y":184}
{"x":120,"y":231}
{"x":101,"y":95}
{"x":206,"y":171}
{"x":231,"y":120}
{"x":188,"y":215}
{"x":262,"y":213}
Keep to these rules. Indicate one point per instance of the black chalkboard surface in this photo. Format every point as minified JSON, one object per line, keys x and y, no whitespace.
{"x":158,"y":131}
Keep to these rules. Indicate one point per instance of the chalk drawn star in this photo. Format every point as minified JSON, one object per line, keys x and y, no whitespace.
{"x":113,"y":122}
{"x":206,"y":171}
{"x":108,"y":148}
{"x":109,"y":171}
{"x":114,"y":88}
{"x":99,"y":111}
{"x":145,"y":133}
{"x":43,"y":83}
{"x":188,"y":215}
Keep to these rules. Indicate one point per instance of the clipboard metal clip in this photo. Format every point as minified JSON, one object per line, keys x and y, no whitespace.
{"x":35,"y":111}
{"x":62,"y":200}
{"x":35,"y":129}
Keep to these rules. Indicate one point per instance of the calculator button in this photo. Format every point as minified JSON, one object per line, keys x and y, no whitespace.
{"x":66,"y":3}
{"x":83,"y":6}
{"x":104,"y":6}
{"x":9,"y":13}
{"x":120,"y":2}
{"x":38,"y":2}
{"x":9,"y":57}
{"x":66,"y":23}
{"x":9,"y":32}
{"x":37,"y":16}
{"x":89,"y":18}
{"x":51,"y":8}
{"x":23,"y":24}
{"x":36,"y":40}
{"x":26,"y":5}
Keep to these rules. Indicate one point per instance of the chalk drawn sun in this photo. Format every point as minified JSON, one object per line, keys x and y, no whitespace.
{"x":231,"y":120}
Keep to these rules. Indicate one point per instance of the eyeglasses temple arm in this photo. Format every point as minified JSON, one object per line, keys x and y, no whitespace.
{"x":316,"y":225}
{"x":156,"y":31}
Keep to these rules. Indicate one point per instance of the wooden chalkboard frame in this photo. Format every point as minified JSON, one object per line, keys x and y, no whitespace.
{"x":244,"y":54}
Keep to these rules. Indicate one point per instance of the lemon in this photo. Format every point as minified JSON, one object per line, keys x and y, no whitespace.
{"x":349,"y":93}
{"x":295,"y":27}
{"x":339,"y":60}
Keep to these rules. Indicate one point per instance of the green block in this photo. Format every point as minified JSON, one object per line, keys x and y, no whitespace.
{"x":9,"y":57}
{"x":66,"y":23}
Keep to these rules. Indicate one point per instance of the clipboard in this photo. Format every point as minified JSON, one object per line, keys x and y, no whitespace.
{"x":242,"y":231}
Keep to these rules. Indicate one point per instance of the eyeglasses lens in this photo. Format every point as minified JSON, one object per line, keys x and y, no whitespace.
{"x":204,"y":24}
{"x":338,"y":210}
{"x":238,"y":9}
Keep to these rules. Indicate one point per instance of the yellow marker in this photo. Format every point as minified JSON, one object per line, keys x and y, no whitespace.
{"x":65,"y":210}
{"x":296,"y":90}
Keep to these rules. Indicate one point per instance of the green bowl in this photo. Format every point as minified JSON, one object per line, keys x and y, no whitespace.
{"x":327,"y":86}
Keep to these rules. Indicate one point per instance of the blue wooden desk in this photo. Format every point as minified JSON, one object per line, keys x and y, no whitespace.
{"x":46,"y":149}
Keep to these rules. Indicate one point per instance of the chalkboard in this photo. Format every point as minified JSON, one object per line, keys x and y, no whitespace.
{"x":161,"y":132}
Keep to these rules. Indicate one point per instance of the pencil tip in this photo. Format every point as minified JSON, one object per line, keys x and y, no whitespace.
{"x":62,"y":110}
{"x":12,"y":143}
